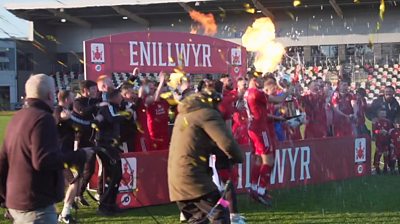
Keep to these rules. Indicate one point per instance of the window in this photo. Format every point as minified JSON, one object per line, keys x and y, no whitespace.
{"x":359,"y":53}
{"x":7,"y":60}
{"x":319,"y":54}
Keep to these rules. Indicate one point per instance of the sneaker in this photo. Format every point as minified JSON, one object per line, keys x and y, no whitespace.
{"x":238,"y":219}
{"x":265,"y":199}
{"x":82,"y":201}
{"x":66,"y":219}
{"x":182,"y":218}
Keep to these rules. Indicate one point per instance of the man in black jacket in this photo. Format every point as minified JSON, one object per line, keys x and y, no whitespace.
{"x":108,"y":137}
{"x":386,"y":102}
{"x":31,"y":161}
{"x":84,"y":112}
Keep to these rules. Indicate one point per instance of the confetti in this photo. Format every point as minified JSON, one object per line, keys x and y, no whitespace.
{"x":382,"y":9}
{"x":296,"y":3}
{"x":202,"y":158}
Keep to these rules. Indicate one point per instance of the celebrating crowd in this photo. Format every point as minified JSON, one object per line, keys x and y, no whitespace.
{"x":214,"y":118}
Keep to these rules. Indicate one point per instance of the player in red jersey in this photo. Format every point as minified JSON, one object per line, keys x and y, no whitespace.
{"x":343,"y":103}
{"x":240,"y":120}
{"x":395,"y":146}
{"x":314,"y":104}
{"x":260,"y":136}
{"x":157,"y":115}
{"x":381,"y":130}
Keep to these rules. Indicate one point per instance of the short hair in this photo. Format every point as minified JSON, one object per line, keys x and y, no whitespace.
{"x":39,"y":86}
{"x":86,"y":84}
{"x":63,"y":94}
{"x":114,"y":93}
{"x":125,"y":86}
{"x":224,"y":76}
{"x":390,"y":87}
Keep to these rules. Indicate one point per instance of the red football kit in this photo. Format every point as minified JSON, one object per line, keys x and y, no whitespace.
{"x":142,"y":138}
{"x":227,"y":105}
{"x":342,"y":126}
{"x":157,"y":122}
{"x":315,"y":109}
{"x":395,"y":141}
{"x":259,"y":130}
{"x":381,"y":130}
{"x":240,"y":123}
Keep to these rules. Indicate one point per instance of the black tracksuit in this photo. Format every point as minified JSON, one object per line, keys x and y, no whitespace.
{"x":108,"y":137}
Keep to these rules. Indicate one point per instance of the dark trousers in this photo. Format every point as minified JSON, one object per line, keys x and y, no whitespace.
{"x":87,"y":174}
{"x":112,"y":173}
{"x":204,"y":210}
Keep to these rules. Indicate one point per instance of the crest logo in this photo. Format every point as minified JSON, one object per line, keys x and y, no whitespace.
{"x":360,"y":150}
{"x":236,"y":56}
{"x":97,"y":52}
{"x":128,"y":181}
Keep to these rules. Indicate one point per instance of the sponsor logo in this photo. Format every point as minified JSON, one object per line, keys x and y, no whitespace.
{"x":125,"y":199}
{"x":97,"y":53}
{"x":97,"y":68}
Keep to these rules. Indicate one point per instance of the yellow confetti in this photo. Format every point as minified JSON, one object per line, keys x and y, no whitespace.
{"x":61,"y":63}
{"x":378,"y":26}
{"x":202,"y":158}
{"x":382,"y":9}
{"x":296,"y":3}
{"x":250,"y":10}
{"x":246,"y":5}
{"x":210,"y":99}
{"x":356,"y":1}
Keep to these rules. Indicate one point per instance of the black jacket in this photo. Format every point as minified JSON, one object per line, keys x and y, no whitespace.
{"x":110,"y":127}
{"x":31,"y":161}
{"x":391,"y":107}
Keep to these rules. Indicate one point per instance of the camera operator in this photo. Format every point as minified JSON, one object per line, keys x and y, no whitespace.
{"x":31,"y":161}
{"x":198,"y":127}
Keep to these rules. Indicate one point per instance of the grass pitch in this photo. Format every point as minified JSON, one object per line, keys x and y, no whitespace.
{"x":373,"y":199}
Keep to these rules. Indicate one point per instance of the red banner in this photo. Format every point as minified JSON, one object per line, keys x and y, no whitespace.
{"x":162,"y":51}
{"x":300,"y":163}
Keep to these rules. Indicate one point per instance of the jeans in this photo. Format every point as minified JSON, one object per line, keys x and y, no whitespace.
{"x":204,"y":210}
{"x":47,"y":215}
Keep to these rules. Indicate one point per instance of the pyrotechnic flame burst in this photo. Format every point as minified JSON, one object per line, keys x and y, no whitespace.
{"x":260,"y":38}
{"x":207,"y":22}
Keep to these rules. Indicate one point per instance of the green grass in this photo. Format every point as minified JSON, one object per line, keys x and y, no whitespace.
{"x":373,"y":199}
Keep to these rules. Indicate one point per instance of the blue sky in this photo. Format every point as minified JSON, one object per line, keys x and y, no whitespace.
{"x":11,"y":24}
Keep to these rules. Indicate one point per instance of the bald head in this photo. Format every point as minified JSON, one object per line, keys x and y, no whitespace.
{"x":40,"y":86}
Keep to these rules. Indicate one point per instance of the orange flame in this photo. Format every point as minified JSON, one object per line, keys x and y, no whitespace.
{"x":207,"y":22}
{"x":260,"y":38}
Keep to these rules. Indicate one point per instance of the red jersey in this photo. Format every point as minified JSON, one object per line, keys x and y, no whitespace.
{"x":315,"y":108}
{"x":227,"y":105}
{"x":257,"y":110}
{"x":342,"y":126}
{"x":381,"y":130}
{"x":142,"y":137}
{"x":343,"y":102}
{"x":157,"y":122}
{"x":395,"y":137}
{"x":240,"y":122}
